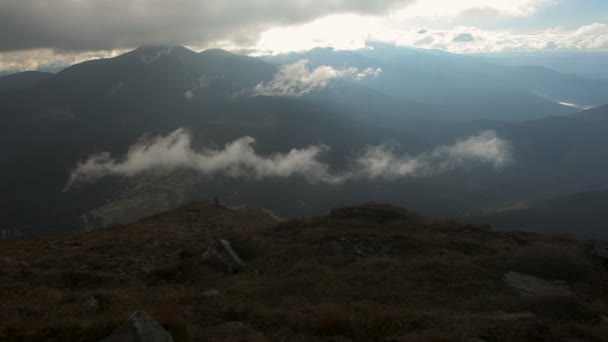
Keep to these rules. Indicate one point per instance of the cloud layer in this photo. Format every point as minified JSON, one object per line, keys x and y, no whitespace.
{"x":298,"y":79}
{"x":49,"y":35}
{"x":474,"y":40}
{"x":485,"y":148}
{"x":108,"y":24}
{"x":456,"y":39}
{"x":174,"y":151}
{"x":239,"y":159}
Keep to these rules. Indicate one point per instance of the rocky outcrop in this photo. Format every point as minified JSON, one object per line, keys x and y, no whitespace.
{"x":220,"y":252}
{"x":139,"y":328}
{"x":532,"y":286}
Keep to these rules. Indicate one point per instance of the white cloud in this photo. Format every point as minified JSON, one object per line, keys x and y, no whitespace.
{"x":355,"y":31}
{"x":474,"y":40}
{"x":298,"y":79}
{"x":450,"y":9}
{"x":174,"y":151}
{"x":48,"y":59}
{"x":239,"y":159}
{"x":485,"y":148}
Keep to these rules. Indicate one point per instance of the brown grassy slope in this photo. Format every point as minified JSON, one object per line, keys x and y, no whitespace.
{"x":364,"y":273}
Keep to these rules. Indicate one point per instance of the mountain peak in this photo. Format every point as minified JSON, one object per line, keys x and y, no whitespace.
{"x":217,"y":52}
{"x":154,"y":52}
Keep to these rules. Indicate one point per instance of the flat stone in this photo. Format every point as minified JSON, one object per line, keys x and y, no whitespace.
{"x":531,"y":286}
{"x":211,"y":293}
{"x":140,"y":328}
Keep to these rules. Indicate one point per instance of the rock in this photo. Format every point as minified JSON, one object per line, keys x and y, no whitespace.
{"x":532,"y":286}
{"x":91,"y":305}
{"x":211,"y":293}
{"x":231,"y":328}
{"x":221,"y":251}
{"x":139,"y":328}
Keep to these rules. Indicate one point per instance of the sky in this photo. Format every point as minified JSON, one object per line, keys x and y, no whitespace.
{"x":42,"y":34}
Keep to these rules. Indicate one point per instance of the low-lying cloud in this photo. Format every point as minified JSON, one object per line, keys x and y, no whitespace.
{"x":174,"y":151}
{"x":298,"y":79}
{"x":485,"y":148}
{"x":238,"y":159}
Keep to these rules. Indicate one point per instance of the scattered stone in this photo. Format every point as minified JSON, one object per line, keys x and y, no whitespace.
{"x":211,"y":293}
{"x":140,"y":327}
{"x":91,"y":305}
{"x":221,"y":251}
{"x":531,"y":286}
{"x":231,"y":328}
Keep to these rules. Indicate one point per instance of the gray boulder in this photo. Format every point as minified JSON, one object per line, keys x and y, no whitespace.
{"x":221,"y":252}
{"x":140,"y":328}
{"x":532,"y":286}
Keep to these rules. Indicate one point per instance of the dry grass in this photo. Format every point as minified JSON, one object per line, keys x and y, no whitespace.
{"x":362,"y":274}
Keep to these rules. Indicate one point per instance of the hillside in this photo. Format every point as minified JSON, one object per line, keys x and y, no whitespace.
{"x":457,"y":88}
{"x":22,"y":80}
{"x":108,"y":104}
{"x":364,"y":273}
{"x":582,"y":214}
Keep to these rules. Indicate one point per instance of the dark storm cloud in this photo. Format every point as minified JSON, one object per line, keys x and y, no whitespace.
{"x":106,"y":24}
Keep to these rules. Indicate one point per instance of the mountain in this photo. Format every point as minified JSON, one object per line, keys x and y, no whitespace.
{"x":589,"y":64}
{"x":599,"y":113}
{"x":570,"y":89}
{"x":456,"y":87}
{"x":107,"y":105}
{"x":364,"y":273}
{"x":581,"y":214}
{"x":22,"y":80}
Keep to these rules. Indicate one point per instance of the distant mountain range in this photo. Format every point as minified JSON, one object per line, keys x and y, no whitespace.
{"x":418,"y":100}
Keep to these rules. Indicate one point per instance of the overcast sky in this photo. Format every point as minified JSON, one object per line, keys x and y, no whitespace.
{"x":42,"y":33}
